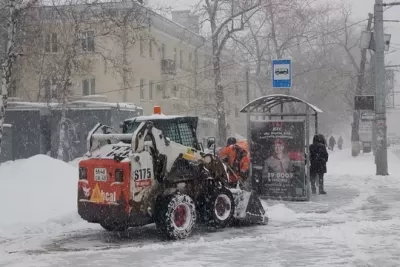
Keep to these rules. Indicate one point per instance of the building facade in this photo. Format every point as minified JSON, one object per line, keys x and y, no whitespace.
{"x":126,"y":53}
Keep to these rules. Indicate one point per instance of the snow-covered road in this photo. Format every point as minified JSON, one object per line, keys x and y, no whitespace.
{"x":356,"y":224}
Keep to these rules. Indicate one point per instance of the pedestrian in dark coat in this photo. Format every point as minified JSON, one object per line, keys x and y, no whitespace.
{"x":340,"y":142}
{"x":318,"y":159}
{"x":332,"y":143}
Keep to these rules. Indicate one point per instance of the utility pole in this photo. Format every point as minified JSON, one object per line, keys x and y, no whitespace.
{"x":359,"y":90}
{"x":380,"y":96}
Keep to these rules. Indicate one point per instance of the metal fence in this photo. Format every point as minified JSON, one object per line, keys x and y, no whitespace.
{"x":35,"y":129}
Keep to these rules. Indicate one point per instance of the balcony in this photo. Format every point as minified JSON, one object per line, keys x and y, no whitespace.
{"x":168,"y":66}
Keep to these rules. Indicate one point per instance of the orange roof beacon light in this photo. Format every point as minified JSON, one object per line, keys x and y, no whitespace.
{"x":157,"y":110}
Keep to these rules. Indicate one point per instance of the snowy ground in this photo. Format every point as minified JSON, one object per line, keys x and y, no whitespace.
{"x":356,"y":224}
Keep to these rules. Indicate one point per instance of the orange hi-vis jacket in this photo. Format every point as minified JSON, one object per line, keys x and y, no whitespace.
{"x":238,"y":159}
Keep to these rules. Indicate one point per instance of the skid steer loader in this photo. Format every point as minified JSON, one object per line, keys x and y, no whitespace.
{"x":156,"y":172}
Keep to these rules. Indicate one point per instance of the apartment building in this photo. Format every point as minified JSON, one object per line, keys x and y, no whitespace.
{"x":155,"y":61}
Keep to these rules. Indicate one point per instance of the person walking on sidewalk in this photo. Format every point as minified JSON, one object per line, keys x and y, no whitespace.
{"x":340,"y":143}
{"x":318,"y":159}
{"x":332,"y":143}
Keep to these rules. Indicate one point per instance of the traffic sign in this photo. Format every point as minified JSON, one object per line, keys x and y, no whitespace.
{"x":282,"y":73}
{"x":367,"y":116}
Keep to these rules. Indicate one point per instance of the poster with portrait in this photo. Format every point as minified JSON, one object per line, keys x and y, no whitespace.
{"x":278,"y":159}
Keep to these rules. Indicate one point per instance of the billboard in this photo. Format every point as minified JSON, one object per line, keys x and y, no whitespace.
{"x":278,"y":159}
{"x":364,"y":102}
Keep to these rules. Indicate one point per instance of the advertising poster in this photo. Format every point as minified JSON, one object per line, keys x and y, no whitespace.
{"x":278,"y":159}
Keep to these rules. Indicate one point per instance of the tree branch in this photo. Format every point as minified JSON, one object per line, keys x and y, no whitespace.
{"x":230,"y":18}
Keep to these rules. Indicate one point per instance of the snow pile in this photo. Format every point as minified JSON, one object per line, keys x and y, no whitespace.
{"x":75,"y":162}
{"x":35,"y":191}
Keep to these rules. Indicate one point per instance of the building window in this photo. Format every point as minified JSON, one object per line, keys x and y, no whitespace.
{"x":141,"y":46}
{"x":88,"y":41}
{"x":51,"y":45}
{"x":52,"y":88}
{"x":89,"y":86}
{"x":164,"y":91}
{"x":150,"y":90}
{"x":150,"y":48}
{"x":190,"y":59}
{"x":141,"y":89}
{"x":163,"y":51}
{"x":196,"y":61}
{"x":13,"y":89}
{"x":236,"y":90}
{"x":181,"y":59}
{"x":175,"y":91}
{"x":175,"y":55}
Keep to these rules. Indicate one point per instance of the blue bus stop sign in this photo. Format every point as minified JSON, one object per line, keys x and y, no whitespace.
{"x":282,"y":73}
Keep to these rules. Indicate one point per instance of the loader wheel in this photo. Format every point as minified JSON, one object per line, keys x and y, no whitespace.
{"x":220,"y":208}
{"x":114,"y":227}
{"x":176,"y":216}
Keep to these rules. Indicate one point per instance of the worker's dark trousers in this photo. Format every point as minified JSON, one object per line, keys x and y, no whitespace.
{"x":313,"y":178}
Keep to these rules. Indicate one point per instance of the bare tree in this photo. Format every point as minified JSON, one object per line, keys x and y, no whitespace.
{"x":75,"y":37}
{"x":314,"y":37}
{"x":126,"y":24}
{"x":14,"y":11}
{"x":225,"y":19}
{"x":67,"y":53}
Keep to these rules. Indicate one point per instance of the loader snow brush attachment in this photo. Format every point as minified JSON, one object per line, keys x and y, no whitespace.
{"x":248,"y":208}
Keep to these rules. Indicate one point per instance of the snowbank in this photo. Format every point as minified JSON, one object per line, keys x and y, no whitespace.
{"x":75,"y":162}
{"x":36,"y":190}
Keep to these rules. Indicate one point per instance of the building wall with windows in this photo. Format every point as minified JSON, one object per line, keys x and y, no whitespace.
{"x":166,"y":65}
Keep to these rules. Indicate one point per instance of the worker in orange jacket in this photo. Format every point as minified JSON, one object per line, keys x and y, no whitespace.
{"x":237,"y":157}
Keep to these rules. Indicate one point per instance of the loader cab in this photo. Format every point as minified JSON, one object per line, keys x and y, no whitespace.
{"x":179,"y":129}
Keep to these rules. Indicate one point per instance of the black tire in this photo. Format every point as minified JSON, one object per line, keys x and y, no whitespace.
{"x":220,"y":208}
{"x":114,"y":227}
{"x":176,"y":216}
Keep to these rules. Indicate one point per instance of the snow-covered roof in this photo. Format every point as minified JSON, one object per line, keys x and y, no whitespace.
{"x":7,"y":125}
{"x":108,"y":104}
{"x":156,"y":117}
{"x":32,"y":104}
{"x":85,"y":103}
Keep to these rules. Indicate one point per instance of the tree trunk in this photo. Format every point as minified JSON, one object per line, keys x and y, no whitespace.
{"x":125,"y":65}
{"x":63,"y":126}
{"x":63,"y":95}
{"x":8,"y":64}
{"x":219,"y":94}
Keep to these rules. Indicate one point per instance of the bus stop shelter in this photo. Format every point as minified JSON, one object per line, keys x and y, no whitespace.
{"x":278,"y":144}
